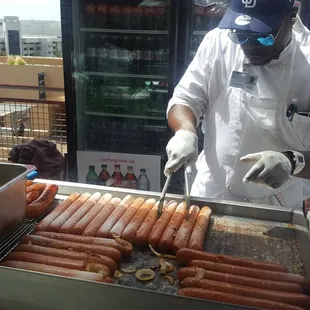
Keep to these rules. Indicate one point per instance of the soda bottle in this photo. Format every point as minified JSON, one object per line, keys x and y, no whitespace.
{"x":114,"y":16}
{"x":149,"y":18}
{"x":130,"y":178}
{"x":126,"y":12}
{"x":137,"y":57}
{"x":103,"y":16}
{"x":143,"y":181}
{"x":148,"y":55}
{"x":104,"y":175}
{"x":113,"y":53}
{"x":161,"y":18}
{"x":117,"y":175}
{"x":91,"y":177}
{"x":91,"y":53}
{"x":90,"y":16}
{"x":137,"y":17}
{"x":160,"y":57}
{"x":102,"y":52}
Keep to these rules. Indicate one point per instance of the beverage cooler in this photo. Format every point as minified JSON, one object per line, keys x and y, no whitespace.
{"x":122,"y":60}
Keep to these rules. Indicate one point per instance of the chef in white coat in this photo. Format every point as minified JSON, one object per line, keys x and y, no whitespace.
{"x":249,"y":85}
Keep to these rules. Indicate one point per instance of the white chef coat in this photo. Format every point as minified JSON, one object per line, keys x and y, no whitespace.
{"x":238,"y":121}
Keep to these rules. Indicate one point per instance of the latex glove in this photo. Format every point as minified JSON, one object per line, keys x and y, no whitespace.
{"x":181,"y":149}
{"x":272,"y":169}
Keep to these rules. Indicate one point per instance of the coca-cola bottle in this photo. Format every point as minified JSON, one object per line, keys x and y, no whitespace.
{"x":103,"y":16}
{"x":114,"y":16}
{"x":90,"y":15}
{"x":91,"y":53}
{"x":102,"y":52}
{"x":143,"y":181}
{"x":104,"y":175}
{"x":137,"y":17}
{"x":160,"y":56}
{"x":149,"y":14}
{"x":148,"y":54}
{"x":125,"y":18}
{"x":137,"y":57}
{"x":117,"y":175}
{"x":161,"y":18}
{"x":130,"y":178}
{"x":113,"y":53}
{"x":91,"y":177}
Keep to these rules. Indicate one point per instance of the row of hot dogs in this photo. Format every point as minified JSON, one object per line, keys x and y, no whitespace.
{"x":133,"y":219}
{"x":240,"y":281}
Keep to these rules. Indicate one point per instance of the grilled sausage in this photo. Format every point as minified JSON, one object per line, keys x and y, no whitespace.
{"x":236,"y":299}
{"x":250,"y":272}
{"x":245,"y":281}
{"x":132,"y":228}
{"x":38,"y":187}
{"x":56,"y":261}
{"x":184,"y":233}
{"x":76,"y":246}
{"x":145,"y":229}
{"x":200,"y":229}
{"x":105,"y":228}
{"x":122,"y":223}
{"x":40,"y":205}
{"x":32,"y":196}
{"x":63,"y":217}
{"x":96,"y":223}
{"x":166,"y":240}
{"x":67,"y":227}
{"x":94,"y":211}
{"x":186,"y":255}
{"x":161,"y":224}
{"x":65,"y":272}
{"x":288,"y":298}
{"x":123,"y":246}
{"x":45,"y":223}
{"x":29,"y":183}
{"x":104,"y":260}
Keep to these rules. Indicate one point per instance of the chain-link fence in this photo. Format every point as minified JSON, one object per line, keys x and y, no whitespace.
{"x":22,"y":120}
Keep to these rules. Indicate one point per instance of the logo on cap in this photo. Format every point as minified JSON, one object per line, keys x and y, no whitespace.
{"x":243,"y":20}
{"x":249,"y":3}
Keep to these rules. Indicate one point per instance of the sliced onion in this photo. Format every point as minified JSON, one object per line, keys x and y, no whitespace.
{"x":170,"y":279}
{"x":98,"y":268}
{"x":167,"y":256}
{"x":145,"y":274}
{"x":117,"y":274}
{"x":130,"y":269}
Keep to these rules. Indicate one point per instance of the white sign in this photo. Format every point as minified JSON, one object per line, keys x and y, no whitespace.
{"x":132,"y":171}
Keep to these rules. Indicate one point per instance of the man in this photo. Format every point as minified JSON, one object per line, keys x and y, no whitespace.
{"x":249,"y":82}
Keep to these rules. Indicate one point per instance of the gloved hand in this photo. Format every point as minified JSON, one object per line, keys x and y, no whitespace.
{"x":272,"y":169}
{"x":181,"y":149}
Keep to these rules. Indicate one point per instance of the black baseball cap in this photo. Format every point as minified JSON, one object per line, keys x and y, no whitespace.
{"x":261,"y":16}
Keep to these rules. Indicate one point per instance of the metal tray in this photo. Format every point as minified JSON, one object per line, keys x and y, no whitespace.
{"x":246,"y":230}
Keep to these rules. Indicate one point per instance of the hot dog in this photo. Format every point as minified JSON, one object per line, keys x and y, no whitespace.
{"x":144,"y":231}
{"x":104,"y":260}
{"x":44,"y":224}
{"x":161,"y":224}
{"x":123,"y":246}
{"x":132,"y":228}
{"x":200,"y":229}
{"x":65,"y":272}
{"x":122,"y":223}
{"x":96,"y":223}
{"x":245,"y":281}
{"x":40,"y":205}
{"x":94,"y":211}
{"x":235,"y":299}
{"x":184,"y":233}
{"x":38,"y":187}
{"x":28,"y":183}
{"x":105,"y":228}
{"x":78,"y":215}
{"x":288,"y":298}
{"x":166,"y":240}
{"x":55,"y":261}
{"x":80,"y":247}
{"x":250,"y":272}
{"x":63,"y":217}
{"x":186,"y":255}
{"x":32,"y":196}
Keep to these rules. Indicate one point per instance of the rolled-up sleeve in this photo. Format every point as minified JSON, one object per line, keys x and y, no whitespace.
{"x":192,"y":90}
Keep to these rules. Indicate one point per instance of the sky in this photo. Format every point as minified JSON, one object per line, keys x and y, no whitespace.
{"x":31,"y":9}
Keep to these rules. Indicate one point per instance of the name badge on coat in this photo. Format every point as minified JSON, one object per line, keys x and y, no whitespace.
{"x":243,"y":80}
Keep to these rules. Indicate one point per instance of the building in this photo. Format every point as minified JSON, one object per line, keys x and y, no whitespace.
{"x":30,"y":38}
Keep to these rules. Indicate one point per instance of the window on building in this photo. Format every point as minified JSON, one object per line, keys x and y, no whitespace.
{"x":14,"y":42}
{"x":30,"y":48}
{"x":2,"y":49}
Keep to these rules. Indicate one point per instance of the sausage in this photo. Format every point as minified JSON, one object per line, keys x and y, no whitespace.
{"x":245,"y":281}
{"x":104,"y":260}
{"x":250,"y":272}
{"x":122,"y":223}
{"x":161,"y":224}
{"x":288,"y":298}
{"x":76,"y":246}
{"x":166,"y":240}
{"x":144,"y":231}
{"x":236,"y":299}
{"x":78,"y":215}
{"x":29,"y":183}
{"x":54,"y":261}
{"x":45,"y":223}
{"x":105,"y":228}
{"x":65,"y":272}
{"x":96,"y":223}
{"x":40,"y":205}
{"x":200,"y":229}
{"x":184,"y":233}
{"x":132,"y":228}
{"x":32,"y":196}
{"x":80,"y":226}
{"x":186,"y":255}
{"x":38,"y":187}
{"x":123,"y":246}
{"x":66,"y":214}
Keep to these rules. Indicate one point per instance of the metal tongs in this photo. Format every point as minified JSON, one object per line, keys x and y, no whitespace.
{"x":163,"y":195}
{"x":187,"y":197}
